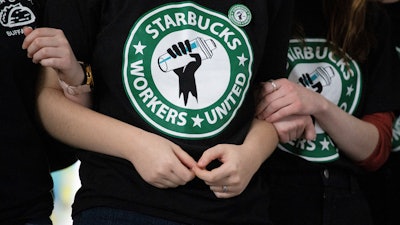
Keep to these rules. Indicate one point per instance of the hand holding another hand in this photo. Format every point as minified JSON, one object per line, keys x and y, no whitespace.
{"x":289,"y":106}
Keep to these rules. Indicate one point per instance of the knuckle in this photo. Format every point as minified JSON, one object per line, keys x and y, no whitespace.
{"x":37,"y":42}
{"x":39,"y":32}
{"x":63,"y":42}
{"x":212,"y":179}
{"x":58,"y":32}
{"x":235,"y":180}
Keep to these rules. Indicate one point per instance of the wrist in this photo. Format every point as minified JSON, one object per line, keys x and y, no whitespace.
{"x":323,"y":108}
{"x":85,"y":85}
{"x":73,"y":76}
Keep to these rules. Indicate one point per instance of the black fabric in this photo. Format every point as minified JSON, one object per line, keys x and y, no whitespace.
{"x":296,"y":199}
{"x":107,"y":181}
{"x":393,"y":12}
{"x":381,"y":68}
{"x":382,"y":187}
{"x":25,"y":179}
{"x":26,"y":184}
{"x":60,"y":156}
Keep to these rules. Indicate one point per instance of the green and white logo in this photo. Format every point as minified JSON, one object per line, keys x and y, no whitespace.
{"x":313,"y":65}
{"x":240,"y":15}
{"x":186,"y":69}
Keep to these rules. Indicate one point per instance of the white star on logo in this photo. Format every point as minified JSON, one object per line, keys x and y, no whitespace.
{"x":325,"y":144}
{"x":242,"y":60}
{"x":197,"y":121}
{"x":349,"y":90}
{"x":139,"y":48}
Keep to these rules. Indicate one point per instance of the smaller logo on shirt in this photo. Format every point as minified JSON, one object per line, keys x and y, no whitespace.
{"x":240,"y":15}
{"x":14,"y":17}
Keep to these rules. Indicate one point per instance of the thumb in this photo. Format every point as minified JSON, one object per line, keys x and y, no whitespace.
{"x":27,"y":41}
{"x":185,"y":158}
{"x":27,"y":30}
{"x":210,"y":155}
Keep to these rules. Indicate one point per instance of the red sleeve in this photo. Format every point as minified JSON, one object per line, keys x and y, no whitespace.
{"x":384,"y":123}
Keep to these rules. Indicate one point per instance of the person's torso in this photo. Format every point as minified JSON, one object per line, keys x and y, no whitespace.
{"x":199,"y":95}
{"x":25,"y":179}
{"x":393,"y":10}
{"x":198,"y":99}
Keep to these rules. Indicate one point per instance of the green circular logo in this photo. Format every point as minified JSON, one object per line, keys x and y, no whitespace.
{"x":186,"y":70}
{"x":240,"y":15}
{"x":313,"y":65}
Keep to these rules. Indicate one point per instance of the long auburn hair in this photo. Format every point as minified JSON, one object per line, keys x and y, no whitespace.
{"x":347,"y":20}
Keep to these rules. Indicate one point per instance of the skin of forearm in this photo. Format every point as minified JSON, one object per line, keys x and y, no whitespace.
{"x":356,"y":138}
{"x":261,"y":140}
{"x":82,"y":127}
{"x":83,"y":99}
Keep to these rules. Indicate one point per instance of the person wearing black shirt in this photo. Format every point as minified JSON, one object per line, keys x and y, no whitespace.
{"x":172,"y":136}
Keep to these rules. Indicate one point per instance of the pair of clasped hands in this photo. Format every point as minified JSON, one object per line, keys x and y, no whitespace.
{"x":284,"y":104}
{"x":165,"y":164}
{"x":281,"y":104}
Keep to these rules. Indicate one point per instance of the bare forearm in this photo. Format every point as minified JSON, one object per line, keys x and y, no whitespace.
{"x":261,"y":140}
{"x":81,"y":127}
{"x":355,"y":137}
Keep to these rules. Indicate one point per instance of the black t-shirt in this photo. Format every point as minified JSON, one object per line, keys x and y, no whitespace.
{"x":360,"y":88}
{"x":393,"y":9}
{"x":197,"y":100}
{"x":25,"y":179}
{"x":26,"y":184}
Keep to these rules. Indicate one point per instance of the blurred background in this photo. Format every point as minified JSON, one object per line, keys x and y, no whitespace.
{"x":66,"y":183}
